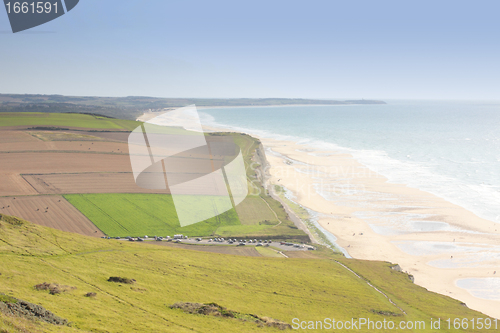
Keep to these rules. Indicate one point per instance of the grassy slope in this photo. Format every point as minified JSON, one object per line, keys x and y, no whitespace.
{"x":64,"y":120}
{"x":281,"y":288}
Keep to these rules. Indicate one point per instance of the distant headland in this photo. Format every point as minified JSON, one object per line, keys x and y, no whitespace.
{"x":132,"y":106}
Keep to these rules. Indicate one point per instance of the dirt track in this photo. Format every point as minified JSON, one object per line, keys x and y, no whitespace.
{"x":59,"y":215}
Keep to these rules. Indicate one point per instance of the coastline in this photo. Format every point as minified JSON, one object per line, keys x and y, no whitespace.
{"x":340,"y":217}
{"x":150,"y":115}
{"x":440,"y":244}
{"x":357,"y":189}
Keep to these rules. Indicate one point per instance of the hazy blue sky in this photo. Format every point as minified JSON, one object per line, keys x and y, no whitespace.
{"x":309,"y":49}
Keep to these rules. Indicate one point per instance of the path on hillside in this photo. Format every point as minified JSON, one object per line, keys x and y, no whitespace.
{"x":371,"y":285}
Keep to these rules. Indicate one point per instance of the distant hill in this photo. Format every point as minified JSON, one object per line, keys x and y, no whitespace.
{"x":133,"y":106}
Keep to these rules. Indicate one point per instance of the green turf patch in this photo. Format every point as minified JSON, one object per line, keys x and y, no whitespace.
{"x":144,"y":214}
{"x":65,"y":120}
{"x":254,"y":211}
{"x":7,"y":299}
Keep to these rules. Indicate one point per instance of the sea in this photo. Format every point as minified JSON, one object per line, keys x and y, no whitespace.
{"x":448,"y":148}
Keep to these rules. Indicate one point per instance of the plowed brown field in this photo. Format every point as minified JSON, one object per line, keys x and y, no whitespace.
{"x":69,"y":167}
{"x":50,"y":211}
{"x":86,"y":183}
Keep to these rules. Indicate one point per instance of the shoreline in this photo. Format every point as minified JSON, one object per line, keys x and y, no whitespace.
{"x":150,"y":115}
{"x":355,"y":233}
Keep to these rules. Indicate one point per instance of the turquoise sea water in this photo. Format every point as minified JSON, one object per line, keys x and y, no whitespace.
{"x":448,"y":148}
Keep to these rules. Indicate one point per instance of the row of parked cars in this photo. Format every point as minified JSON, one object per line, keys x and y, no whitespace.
{"x":234,"y":240}
{"x":302,"y":246}
{"x":240,"y":242}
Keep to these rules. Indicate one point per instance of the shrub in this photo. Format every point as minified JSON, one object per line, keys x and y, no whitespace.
{"x":121,"y":280}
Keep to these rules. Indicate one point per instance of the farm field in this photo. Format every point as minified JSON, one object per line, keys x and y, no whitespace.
{"x":84,"y":146}
{"x":50,"y":211}
{"x":143,"y":214}
{"x":267,"y":252}
{"x":93,"y":161}
{"x":53,"y":162}
{"x":10,"y":119}
{"x":279,"y":288}
{"x":254,"y":210}
{"x":134,"y":215}
{"x":94,"y":182}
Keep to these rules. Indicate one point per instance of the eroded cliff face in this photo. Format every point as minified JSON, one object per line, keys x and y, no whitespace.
{"x":263,"y":166}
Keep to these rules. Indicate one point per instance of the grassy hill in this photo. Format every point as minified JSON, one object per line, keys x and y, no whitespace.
{"x":279,"y":288}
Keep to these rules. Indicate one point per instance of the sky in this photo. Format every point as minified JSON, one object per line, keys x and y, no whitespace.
{"x":259,"y":49}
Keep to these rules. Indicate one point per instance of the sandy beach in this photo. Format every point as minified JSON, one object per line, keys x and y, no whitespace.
{"x":434,"y":240}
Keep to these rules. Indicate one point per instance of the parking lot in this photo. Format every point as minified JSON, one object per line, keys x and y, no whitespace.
{"x":280,"y":245}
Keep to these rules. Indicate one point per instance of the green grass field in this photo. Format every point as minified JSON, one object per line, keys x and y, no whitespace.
{"x":267,"y":252}
{"x":254,"y":211}
{"x":280,"y":288}
{"x":144,"y":214}
{"x":65,"y":120}
{"x":154,"y":214}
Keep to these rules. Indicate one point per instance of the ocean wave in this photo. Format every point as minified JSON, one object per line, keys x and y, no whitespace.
{"x":484,"y":201}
